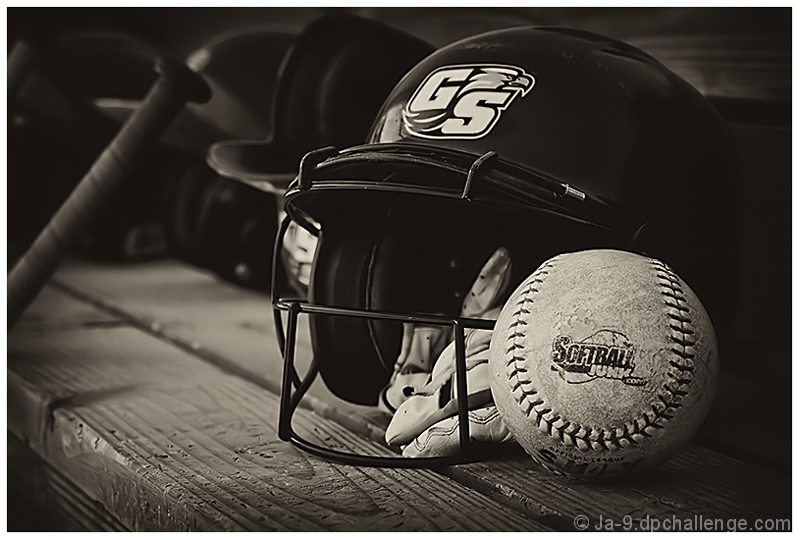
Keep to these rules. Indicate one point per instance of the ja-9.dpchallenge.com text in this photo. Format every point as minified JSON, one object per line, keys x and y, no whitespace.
{"x":676,"y":523}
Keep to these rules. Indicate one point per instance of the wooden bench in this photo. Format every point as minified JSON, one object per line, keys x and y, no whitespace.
{"x":143,"y":397}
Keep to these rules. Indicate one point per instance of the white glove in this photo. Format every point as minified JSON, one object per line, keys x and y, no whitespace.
{"x":443,"y":439}
{"x":426,"y":420}
{"x":412,"y":369}
{"x":426,"y":424}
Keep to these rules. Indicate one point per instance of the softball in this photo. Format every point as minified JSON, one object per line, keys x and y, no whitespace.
{"x":603,"y":363}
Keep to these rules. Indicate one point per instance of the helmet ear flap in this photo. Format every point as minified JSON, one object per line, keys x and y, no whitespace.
{"x":346,"y":349}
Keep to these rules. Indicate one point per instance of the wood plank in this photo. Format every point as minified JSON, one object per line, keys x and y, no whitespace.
{"x":696,"y":482}
{"x":40,"y":498}
{"x":223,"y":323}
{"x":175,"y":299}
{"x":226,"y":325}
{"x":169,"y":442}
{"x":56,"y":310}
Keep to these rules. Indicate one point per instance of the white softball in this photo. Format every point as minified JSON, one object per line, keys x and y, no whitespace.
{"x":603,"y":363}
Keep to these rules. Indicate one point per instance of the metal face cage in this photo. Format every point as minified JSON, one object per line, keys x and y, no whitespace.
{"x":293,"y":387}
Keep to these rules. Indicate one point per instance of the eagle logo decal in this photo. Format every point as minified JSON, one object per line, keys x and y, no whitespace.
{"x":464,"y":101}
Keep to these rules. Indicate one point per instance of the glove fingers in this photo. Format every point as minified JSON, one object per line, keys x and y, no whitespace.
{"x":477,"y":351}
{"x":420,"y":346}
{"x":423,"y":410}
{"x":403,"y":386}
{"x":427,"y":419}
{"x":443,"y":438}
{"x":414,"y":416}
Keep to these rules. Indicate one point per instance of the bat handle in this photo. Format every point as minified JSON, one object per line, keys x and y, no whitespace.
{"x":115,"y":166}
{"x":20,"y":63}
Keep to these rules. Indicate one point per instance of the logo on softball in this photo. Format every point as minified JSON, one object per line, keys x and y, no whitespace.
{"x":604,"y":354}
{"x":464,"y":101}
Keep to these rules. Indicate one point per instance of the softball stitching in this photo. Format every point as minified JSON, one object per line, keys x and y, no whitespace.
{"x":679,"y":332}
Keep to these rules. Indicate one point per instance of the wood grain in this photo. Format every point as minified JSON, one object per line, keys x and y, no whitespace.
{"x":698,"y":481}
{"x":206,"y":441}
{"x":215,"y":320}
{"x":59,"y":311}
{"x":229,"y":326}
{"x":169,"y":442}
{"x":42,"y":499}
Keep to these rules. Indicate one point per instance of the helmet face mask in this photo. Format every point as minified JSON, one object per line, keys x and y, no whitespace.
{"x":294,"y":387}
{"x":397,"y":256}
{"x":580,"y":142}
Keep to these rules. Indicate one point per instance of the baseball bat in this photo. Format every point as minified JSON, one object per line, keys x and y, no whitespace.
{"x":176,"y":85}
{"x":20,"y":63}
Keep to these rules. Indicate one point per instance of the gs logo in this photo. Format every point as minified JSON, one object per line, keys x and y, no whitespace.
{"x":464,"y":101}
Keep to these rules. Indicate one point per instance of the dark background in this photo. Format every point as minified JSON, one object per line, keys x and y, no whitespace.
{"x":741,"y":52}
{"x":180,"y":30}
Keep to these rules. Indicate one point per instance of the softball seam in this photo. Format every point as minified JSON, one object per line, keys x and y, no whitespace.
{"x":680,"y":333}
